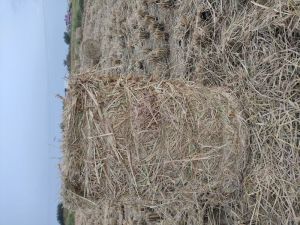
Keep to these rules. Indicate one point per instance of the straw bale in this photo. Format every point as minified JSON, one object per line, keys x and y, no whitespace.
{"x":250,"y":47}
{"x":171,"y":144}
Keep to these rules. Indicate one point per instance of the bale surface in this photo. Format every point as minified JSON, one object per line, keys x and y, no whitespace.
{"x":170,"y":145}
{"x":251,"y":48}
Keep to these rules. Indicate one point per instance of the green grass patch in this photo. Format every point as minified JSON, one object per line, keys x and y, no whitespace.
{"x":69,"y":217}
{"x":77,"y":11}
{"x":77,"y":14}
{"x":81,"y":5}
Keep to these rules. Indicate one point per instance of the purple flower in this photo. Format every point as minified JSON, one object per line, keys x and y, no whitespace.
{"x":68,"y":18}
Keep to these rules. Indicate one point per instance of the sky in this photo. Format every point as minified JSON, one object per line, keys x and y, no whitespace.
{"x":32,"y":51}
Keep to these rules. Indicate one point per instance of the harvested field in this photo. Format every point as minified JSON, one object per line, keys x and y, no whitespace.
{"x":208,"y":129}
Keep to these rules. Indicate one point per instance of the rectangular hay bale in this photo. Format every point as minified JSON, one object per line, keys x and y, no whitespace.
{"x":169,"y":145}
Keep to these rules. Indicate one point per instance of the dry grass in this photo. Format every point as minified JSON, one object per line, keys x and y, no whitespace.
{"x":251,"y":49}
{"x":173,"y":145}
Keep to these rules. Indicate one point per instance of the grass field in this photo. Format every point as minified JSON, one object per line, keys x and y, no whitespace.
{"x":77,"y":11}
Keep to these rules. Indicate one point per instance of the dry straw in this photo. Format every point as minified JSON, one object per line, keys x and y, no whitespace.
{"x":158,"y":55}
{"x":250,"y":47}
{"x":170,"y":145}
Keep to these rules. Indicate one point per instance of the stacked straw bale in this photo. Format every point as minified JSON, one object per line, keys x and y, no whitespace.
{"x":169,"y":145}
{"x":250,"y":47}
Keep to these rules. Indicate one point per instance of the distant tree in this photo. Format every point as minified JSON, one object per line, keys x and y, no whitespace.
{"x":67,"y":38}
{"x":60,"y":214}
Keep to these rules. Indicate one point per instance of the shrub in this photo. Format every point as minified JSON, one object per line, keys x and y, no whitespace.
{"x":81,"y":4}
{"x":67,"y":38}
